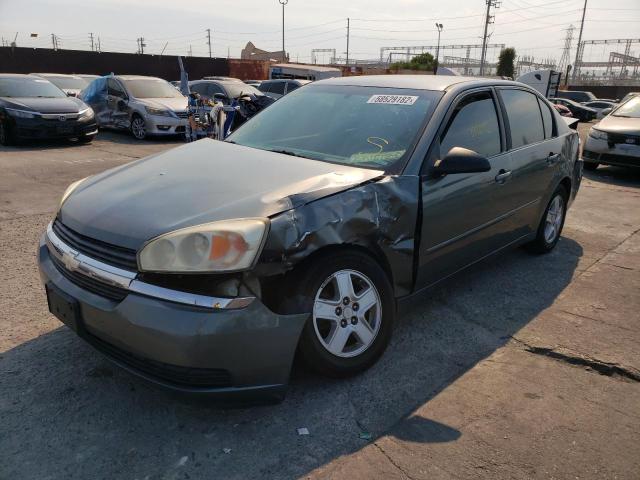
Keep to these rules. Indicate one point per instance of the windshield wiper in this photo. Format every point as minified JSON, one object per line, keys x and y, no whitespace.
{"x":287,"y":152}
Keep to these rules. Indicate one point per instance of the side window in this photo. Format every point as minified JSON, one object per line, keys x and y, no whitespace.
{"x":547,"y":119}
{"x":277,"y":87}
{"x":292,"y":86}
{"x":525,"y":120}
{"x":264,"y":87}
{"x":199,"y":88}
{"x":115,"y":89}
{"x":213,"y":89}
{"x":473,"y":125}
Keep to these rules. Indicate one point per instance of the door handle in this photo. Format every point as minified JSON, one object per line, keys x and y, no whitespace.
{"x":503,"y":176}
{"x":553,"y":158}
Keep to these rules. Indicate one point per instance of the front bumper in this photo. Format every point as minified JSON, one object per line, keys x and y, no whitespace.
{"x":164,"y":125}
{"x":619,"y":154}
{"x":229,"y":353}
{"x":39,"y":128}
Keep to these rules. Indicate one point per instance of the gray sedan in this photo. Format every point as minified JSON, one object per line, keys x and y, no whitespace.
{"x":207,"y":267}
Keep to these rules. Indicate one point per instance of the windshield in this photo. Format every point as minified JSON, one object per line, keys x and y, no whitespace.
{"x":151,"y":88}
{"x":359,"y":126}
{"x":629,"y":109}
{"x":68,"y":82}
{"x":236,"y":89}
{"x":29,"y":87}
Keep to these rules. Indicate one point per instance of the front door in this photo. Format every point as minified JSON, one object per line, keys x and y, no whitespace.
{"x":463,"y":214}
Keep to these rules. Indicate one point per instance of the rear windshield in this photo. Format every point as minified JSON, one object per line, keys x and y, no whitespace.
{"x":151,"y":88}
{"x":68,"y":82}
{"x":350,"y":125}
{"x":29,"y":87}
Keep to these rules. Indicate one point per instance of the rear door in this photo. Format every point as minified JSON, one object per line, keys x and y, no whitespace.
{"x":463,"y":214}
{"x":535,"y":151}
{"x":117,"y":109}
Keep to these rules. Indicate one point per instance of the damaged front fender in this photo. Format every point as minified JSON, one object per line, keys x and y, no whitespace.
{"x":380,"y":216}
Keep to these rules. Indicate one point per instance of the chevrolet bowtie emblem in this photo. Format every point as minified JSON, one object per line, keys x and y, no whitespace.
{"x":71,"y":262}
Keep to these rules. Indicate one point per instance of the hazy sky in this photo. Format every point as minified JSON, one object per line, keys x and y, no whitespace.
{"x":533,"y":27}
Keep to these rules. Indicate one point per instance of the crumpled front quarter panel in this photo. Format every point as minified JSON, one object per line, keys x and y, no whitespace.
{"x":379,"y":216}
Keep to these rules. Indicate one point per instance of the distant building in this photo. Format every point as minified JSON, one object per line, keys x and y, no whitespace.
{"x":251,"y":52}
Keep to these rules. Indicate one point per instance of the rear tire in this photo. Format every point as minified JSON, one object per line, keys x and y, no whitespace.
{"x":6,"y":135}
{"x":350,"y":324}
{"x":551,"y":224}
{"x":591,"y":166}
{"x":86,"y":138}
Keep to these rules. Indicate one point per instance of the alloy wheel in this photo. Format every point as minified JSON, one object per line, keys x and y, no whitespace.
{"x":553,"y":222}
{"x":347,"y":313}
{"x":138,"y":128}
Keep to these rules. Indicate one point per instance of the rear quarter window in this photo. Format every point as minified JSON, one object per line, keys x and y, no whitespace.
{"x":524,"y":117}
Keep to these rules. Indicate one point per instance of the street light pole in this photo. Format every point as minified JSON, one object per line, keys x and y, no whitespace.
{"x":435,"y":68}
{"x":284,"y":53}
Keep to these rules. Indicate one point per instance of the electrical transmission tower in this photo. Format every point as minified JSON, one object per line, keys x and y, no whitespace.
{"x":566,"y":51}
{"x":488,"y":21}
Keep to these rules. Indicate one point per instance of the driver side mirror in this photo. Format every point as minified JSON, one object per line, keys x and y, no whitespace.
{"x":461,"y":160}
{"x":122,"y":104}
{"x":221,"y":96}
{"x":606,"y":111}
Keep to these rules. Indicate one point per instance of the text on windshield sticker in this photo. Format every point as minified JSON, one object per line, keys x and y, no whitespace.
{"x":393,"y":99}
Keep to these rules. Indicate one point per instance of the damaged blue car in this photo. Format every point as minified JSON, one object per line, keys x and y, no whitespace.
{"x":208,"y":267}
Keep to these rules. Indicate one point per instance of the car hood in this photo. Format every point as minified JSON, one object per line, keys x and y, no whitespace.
{"x":175,"y":104}
{"x":45,"y":105}
{"x":197,"y":183}
{"x":624,"y":125}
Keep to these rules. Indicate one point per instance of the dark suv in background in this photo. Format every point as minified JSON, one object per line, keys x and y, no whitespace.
{"x":576,"y":95}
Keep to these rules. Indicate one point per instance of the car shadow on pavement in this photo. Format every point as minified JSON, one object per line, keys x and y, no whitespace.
{"x":65,"y":410}
{"x":611,"y":175}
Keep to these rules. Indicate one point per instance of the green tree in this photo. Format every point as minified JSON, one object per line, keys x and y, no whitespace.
{"x":424,"y":61}
{"x":506,"y":62}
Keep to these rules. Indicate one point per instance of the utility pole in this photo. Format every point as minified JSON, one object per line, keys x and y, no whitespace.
{"x":488,"y":20}
{"x":99,"y":46}
{"x":347,"y":62}
{"x":576,"y":66}
{"x":164,"y":48}
{"x":141,"y":45}
{"x":284,"y":52}
{"x":54,"y":41}
{"x":209,"y":40}
{"x":435,"y":65}
{"x":91,"y":37}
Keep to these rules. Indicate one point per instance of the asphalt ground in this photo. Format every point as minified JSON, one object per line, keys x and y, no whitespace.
{"x":522,"y":367}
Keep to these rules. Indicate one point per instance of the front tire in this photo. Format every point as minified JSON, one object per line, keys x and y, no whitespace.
{"x":352,"y":313}
{"x":138,"y":127}
{"x":552,"y":222}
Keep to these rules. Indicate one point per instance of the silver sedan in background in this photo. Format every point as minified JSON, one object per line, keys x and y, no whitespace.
{"x":616,"y":139}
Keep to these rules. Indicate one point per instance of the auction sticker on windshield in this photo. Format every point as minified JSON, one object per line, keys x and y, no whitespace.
{"x":393,"y":99}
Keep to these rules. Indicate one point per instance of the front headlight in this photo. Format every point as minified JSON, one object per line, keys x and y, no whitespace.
{"x":225,"y":246}
{"x":70,"y":190}
{"x":158,"y":111}
{"x":86,"y":113}
{"x":20,"y":113}
{"x":598,"y":134}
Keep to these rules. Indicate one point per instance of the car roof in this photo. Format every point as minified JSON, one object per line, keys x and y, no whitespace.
{"x":416,"y":82}
{"x":137,"y":77}
{"x":68,"y":75}
{"x":15,"y":75}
